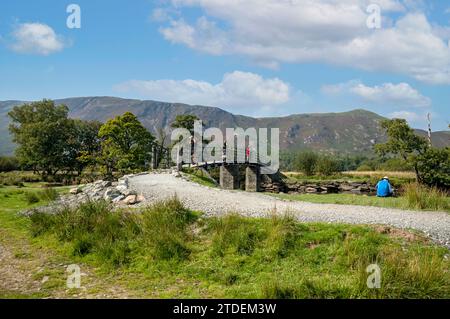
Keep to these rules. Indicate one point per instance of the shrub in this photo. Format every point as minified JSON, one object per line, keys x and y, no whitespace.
{"x":365,"y":168}
{"x":306,"y":162}
{"x":31,"y":198}
{"x":422,"y":197}
{"x":434,"y":167}
{"x":8,"y":164}
{"x":395,"y":165}
{"x":327,"y":166}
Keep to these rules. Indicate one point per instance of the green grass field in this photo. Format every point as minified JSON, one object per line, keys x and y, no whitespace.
{"x":350,"y":199}
{"x":171,"y":252}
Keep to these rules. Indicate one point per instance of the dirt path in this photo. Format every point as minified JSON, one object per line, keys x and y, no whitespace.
{"x":31,"y":272}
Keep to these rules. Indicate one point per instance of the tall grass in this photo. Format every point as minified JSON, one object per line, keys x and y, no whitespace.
{"x":423,"y":197}
{"x":233,"y":256}
{"x":164,"y":227}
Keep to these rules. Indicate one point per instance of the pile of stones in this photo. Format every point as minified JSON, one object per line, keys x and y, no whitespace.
{"x":115,"y":192}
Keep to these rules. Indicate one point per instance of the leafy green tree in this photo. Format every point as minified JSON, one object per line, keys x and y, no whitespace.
{"x":126,"y":144}
{"x":306,"y":162}
{"x":83,"y":145}
{"x":327,"y":166}
{"x":40,"y":130}
{"x":402,"y":141}
{"x":185,"y":121}
{"x":434,"y":166}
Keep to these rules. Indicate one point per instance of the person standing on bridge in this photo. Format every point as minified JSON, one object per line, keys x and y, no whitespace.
{"x":247,"y":154}
{"x":193,"y":141}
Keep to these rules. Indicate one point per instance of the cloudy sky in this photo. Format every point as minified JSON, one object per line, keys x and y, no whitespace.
{"x":252,"y":57}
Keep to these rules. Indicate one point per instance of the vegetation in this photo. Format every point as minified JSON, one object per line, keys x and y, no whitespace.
{"x":431,"y":166}
{"x":422,"y":197}
{"x":173,"y":251}
{"x":126,"y":144}
{"x":48,"y":141}
{"x":185,"y":121}
{"x":8,"y":164}
{"x":55,"y":146}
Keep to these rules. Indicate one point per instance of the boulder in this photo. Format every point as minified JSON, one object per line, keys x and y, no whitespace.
{"x":130,"y":200}
{"x":75,"y":191}
{"x":118,"y":198}
{"x":111,"y":194}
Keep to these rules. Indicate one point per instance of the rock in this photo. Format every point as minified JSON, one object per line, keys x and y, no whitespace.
{"x":118,"y":198}
{"x":75,"y":191}
{"x":130,"y":200}
{"x":127,"y":192}
{"x":122,"y":188}
{"x":140,"y":198}
{"x":311,"y":190}
{"x":111,"y":194}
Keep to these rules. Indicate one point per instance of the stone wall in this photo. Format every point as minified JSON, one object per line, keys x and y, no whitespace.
{"x":277,"y":185}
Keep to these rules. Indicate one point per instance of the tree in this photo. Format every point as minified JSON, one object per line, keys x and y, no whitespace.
{"x":40,"y":130}
{"x":434,"y":166}
{"x":126,"y":144}
{"x":402,"y":141}
{"x":327,"y":166}
{"x":306,"y":162}
{"x":185,"y":121}
{"x":83,"y":145}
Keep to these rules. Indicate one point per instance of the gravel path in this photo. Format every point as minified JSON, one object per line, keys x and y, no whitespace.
{"x":215,"y":202}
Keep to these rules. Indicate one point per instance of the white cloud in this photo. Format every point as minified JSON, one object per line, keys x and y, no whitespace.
{"x":406,"y":115}
{"x":329,"y":31}
{"x":236,"y":90}
{"x":36,"y":38}
{"x":389,"y":94}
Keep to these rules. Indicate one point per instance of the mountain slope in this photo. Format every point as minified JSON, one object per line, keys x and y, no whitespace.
{"x":349,"y":132}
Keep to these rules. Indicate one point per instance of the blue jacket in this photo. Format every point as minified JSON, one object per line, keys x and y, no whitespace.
{"x":384,"y":188}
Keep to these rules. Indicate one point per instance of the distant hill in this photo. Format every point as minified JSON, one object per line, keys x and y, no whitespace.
{"x":348,"y":132}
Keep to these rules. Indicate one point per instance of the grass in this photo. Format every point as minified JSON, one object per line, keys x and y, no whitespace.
{"x":414,"y":198}
{"x":397,"y":178}
{"x":171,"y":252}
{"x":237,"y":257}
{"x":422,"y":197}
{"x":197,"y":176}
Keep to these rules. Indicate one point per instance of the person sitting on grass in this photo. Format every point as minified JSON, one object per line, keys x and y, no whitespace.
{"x":384,"y":188}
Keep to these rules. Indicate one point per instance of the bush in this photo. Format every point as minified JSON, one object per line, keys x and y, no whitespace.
{"x":434,"y":167}
{"x":395,"y":165}
{"x":327,"y":166}
{"x":8,"y":164}
{"x":365,"y":168}
{"x":423,"y":197}
{"x":306,"y":162}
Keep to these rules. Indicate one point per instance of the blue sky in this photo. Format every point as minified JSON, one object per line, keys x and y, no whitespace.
{"x":252,"y":57}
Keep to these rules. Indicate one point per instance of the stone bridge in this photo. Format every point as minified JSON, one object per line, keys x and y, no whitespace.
{"x":230,"y":174}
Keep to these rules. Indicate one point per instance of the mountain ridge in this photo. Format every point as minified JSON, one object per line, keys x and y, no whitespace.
{"x":339,"y":132}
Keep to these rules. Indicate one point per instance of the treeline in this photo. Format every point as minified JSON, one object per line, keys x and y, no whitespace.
{"x":50,"y":143}
{"x":324,"y":164}
{"x":403,"y":151}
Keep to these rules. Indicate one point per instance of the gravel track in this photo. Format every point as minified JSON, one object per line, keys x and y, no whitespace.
{"x":216,"y":202}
